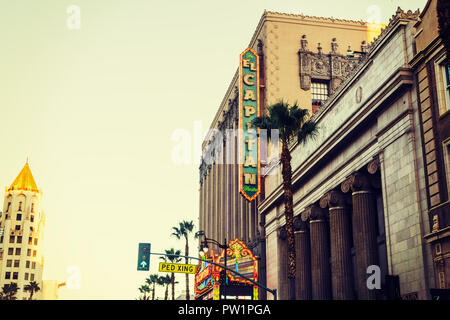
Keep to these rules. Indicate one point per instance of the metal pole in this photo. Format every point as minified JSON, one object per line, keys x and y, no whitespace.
{"x":272,"y":291}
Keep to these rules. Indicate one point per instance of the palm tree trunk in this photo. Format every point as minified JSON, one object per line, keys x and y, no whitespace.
{"x":172,"y":280}
{"x":31,"y":295}
{"x":186,"y":250}
{"x":166,"y":295}
{"x":289,"y":215}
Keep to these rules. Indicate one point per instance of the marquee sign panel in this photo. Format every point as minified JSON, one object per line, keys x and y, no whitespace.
{"x":249,"y":108}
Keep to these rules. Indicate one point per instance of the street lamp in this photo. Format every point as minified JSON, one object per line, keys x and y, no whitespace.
{"x":204,"y":249}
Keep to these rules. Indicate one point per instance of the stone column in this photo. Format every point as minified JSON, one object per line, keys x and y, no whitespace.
{"x":303,"y":260}
{"x":283,"y":269}
{"x":364,"y":230}
{"x":340,"y":246}
{"x":320,"y":252}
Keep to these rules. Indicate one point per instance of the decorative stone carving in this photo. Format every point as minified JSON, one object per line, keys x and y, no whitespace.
{"x":435,"y":223}
{"x":373,"y":166}
{"x":332,"y":199}
{"x":260,"y":47}
{"x":299,"y":224}
{"x":282,"y":233}
{"x":334,"y":45}
{"x":333,"y":66}
{"x":356,"y":182}
{"x":313,"y":212}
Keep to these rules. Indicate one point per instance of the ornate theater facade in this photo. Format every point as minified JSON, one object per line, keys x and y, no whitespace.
{"x":360,"y":198}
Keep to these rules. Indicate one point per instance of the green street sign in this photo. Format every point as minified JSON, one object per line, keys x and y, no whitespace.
{"x":144,"y":257}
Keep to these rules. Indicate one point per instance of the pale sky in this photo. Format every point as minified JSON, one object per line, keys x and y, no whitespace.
{"x":95,"y":109}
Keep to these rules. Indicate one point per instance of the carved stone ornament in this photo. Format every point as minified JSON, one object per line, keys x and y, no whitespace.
{"x":282,"y":233}
{"x":356,"y":182}
{"x":333,"y":66}
{"x":299,"y":224}
{"x":373,"y":166}
{"x":313,"y":212}
{"x":332,"y":199}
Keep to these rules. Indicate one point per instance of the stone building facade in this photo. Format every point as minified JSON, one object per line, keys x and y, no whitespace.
{"x":302,"y":59}
{"x":360,"y":199}
{"x":432,"y":75}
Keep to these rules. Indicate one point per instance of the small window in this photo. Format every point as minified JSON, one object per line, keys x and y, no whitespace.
{"x":20,"y":206}
{"x":19,"y":239}
{"x":9,"y":263}
{"x":32,"y":208}
{"x":29,"y":252}
{"x":33,"y":265}
{"x":19,"y":217}
{"x":447,"y":163}
{"x":319,"y":94}
{"x":17,"y":227}
{"x":32,"y":277}
{"x":442,"y":70}
{"x":32,"y":218}
{"x":27,"y":264}
{"x":10,"y":251}
{"x":11,"y":239}
{"x":8,"y":275}
{"x":17,"y":251}
{"x":30,"y":240}
{"x":26,"y":276}
{"x":16,"y":263}
{"x":15,"y":275}
{"x":34,"y":253}
{"x":35,"y":241}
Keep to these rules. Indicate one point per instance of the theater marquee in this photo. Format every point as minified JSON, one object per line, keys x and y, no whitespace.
{"x":250,"y":183}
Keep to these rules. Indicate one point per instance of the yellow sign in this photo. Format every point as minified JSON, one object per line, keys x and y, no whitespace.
{"x":177,"y":268}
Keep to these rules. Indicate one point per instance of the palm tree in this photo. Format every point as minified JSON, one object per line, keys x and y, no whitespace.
{"x":183,"y":231}
{"x":174,"y":257}
{"x":9,"y":291}
{"x":166,"y":281}
{"x":33,"y":287}
{"x":291,"y":122}
{"x":144,"y":289}
{"x":152,"y":280}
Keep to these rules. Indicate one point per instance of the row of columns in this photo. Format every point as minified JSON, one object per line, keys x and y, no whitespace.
{"x":323,"y":240}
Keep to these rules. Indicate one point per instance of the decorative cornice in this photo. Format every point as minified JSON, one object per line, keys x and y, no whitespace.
{"x":371,"y":50}
{"x":315,"y":18}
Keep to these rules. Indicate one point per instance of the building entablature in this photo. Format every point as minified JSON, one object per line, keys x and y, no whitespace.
{"x":376,"y":81}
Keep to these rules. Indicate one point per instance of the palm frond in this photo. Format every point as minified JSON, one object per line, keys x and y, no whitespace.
{"x":309,"y":130}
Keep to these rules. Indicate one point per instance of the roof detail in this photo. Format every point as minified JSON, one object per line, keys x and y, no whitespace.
{"x":399,"y":15}
{"x":325,"y":19}
{"x":24,"y":181}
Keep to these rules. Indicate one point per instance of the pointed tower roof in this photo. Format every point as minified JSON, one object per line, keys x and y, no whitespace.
{"x":24,"y":180}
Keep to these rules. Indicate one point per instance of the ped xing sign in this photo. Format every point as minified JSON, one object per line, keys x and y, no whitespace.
{"x":143,"y":257}
{"x":250,"y":184}
{"x":177,"y":268}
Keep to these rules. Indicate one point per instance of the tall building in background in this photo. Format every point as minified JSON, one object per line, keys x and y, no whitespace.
{"x":21,"y":226}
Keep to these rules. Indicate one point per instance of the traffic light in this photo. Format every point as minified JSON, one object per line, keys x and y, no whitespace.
{"x":143,"y":257}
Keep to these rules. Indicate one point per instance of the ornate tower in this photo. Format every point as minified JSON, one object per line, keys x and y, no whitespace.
{"x":21,"y":235}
